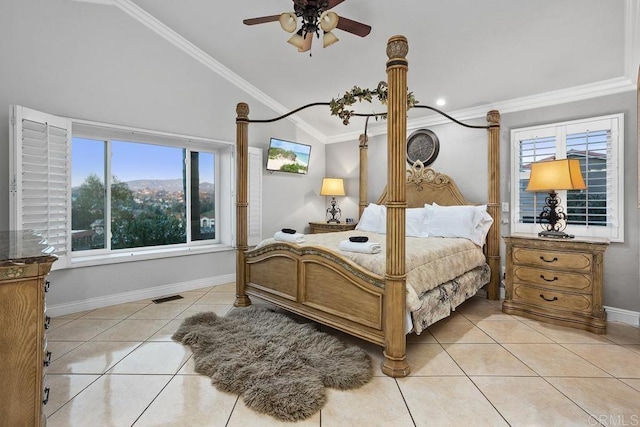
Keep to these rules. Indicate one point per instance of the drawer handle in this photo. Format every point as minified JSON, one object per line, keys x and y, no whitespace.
{"x":547,"y":299}
{"x":548,"y":280}
{"x":546,"y":260}
{"x":47,"y":322}
{"x":46,"y":396}
{"x":47,"y":359}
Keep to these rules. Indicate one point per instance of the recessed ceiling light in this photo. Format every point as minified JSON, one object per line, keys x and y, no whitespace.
{"x":440,"y":102}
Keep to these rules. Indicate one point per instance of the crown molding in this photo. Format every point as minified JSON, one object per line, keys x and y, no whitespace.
{"x":547,"y":99}
{"x":632,"y":39}
{"x":199,"y":55}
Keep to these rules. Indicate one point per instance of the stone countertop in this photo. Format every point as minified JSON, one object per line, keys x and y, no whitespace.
{"x":23,"y":247}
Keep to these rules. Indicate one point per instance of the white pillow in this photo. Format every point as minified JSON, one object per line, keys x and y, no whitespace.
{"x":470,"y":222}
{"x":482,"y":229}
{"x":373,"y":219}
{"x":414,"y":220}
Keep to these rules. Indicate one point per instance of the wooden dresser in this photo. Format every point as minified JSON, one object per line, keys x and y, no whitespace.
{"x":556,"y":281}
{"x":25,"y":261}
{"x":331,"y":227}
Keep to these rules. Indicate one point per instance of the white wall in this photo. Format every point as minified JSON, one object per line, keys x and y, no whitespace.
{"x":463,"y":155}
{"x":94,"y":62}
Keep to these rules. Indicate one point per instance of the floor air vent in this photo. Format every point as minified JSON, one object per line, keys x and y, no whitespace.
{"x":165,"y":299}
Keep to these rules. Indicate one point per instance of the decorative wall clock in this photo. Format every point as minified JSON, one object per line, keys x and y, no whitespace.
{"x":422,"y":145}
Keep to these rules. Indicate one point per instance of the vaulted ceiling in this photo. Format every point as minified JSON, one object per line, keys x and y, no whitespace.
{"x":476,"y":54}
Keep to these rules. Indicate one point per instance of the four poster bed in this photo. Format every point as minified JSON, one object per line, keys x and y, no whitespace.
{"x":323,"y":284}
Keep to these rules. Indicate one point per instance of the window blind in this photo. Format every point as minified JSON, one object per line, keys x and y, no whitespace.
{"x":598,"y":144}
{"x":40,"y":187}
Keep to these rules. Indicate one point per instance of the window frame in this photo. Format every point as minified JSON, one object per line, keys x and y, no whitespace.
{"x":225,"y":191}
{"x":614,"y":230}
{"x":223,"y":151}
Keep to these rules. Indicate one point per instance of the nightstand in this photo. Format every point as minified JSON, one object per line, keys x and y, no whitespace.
{"x":557,"y":281}
{"x":331,"y":227}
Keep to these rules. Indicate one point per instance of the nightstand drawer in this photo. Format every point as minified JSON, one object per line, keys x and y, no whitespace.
{"x":553,"y":279}
{"x":552,"y":300}
{"x":576,"y":261}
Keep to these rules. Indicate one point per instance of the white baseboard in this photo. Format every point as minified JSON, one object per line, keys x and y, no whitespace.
{"x":141,"y":294}
{"x":613,"y":314}
{"x":623,"y":316}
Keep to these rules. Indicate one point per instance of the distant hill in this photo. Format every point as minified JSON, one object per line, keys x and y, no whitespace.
{"x":170,"y":185}
{"x":166,"y":185}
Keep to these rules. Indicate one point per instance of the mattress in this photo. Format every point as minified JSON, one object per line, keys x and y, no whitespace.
{"x":430,"y":261}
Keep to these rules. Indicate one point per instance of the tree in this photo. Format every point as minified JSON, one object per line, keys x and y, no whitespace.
{"x":133,"y":224}
{"x":87,"y":203}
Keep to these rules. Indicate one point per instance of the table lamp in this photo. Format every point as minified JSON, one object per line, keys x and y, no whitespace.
{"x":550,"y":176}
{"x":333,"y":187}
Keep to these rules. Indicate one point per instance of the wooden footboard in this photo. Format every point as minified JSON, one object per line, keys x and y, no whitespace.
{"x":319,"y":285}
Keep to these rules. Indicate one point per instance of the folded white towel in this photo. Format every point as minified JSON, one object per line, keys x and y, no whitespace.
{"x":291,"y":238}
{"x":364,"y":247}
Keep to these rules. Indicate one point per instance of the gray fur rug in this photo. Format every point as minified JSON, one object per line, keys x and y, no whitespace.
{"x":279,"y":366}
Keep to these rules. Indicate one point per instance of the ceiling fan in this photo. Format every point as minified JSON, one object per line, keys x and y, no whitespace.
{"x":316,"y":16}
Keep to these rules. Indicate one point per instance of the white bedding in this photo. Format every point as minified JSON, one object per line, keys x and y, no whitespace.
{"x":430,"y":261}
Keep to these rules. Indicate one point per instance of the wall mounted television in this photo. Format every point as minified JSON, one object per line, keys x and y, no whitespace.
{"x":287,"y":156}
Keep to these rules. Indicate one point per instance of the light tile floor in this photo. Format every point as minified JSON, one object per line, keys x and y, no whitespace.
{"x":117,"y":366}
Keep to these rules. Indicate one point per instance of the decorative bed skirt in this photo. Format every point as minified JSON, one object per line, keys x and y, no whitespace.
{"x":438,"y":303}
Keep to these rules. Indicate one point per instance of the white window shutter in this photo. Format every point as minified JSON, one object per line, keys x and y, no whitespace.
{"x":40,"y":190}
{"x":598,"y":143}
{"x":254,"y":230}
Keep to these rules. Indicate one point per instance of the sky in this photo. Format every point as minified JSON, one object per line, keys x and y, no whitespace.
{"x":132,"y":161}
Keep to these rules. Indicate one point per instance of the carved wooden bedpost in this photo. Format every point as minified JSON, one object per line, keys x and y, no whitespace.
{"x":242,"y":165}
{"x":364,"y":173}
{"x":493,"y":204}
{"x":395,"y":345}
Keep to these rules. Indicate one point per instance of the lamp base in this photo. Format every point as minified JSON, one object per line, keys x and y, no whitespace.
{"x":333,"y":212}
{"x":555,"y":234}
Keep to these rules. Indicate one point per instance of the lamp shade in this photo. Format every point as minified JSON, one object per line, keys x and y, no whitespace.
{"x":556,"y":175}
{"x":332,"y":187}
{"x":288,"y":22}
{"x":297,"y":40}
{"x":328,"y":39}
{"x":328,"y":20}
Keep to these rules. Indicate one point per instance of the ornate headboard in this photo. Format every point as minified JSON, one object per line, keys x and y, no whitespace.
{"x":425,"y":185}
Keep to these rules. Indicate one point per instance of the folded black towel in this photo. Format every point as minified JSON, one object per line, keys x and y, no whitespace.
{"x":359,"y":239}
{"x":288,"y":231}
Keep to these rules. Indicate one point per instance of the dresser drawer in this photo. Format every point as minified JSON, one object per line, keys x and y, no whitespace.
{"x":575,"y":261}
{"x":553,"y":300}
{"x":553,"y":278}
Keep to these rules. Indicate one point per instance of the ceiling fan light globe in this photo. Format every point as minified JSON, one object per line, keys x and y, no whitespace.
{"x":297,"y":40}
{"x":328,"y":39}
{"x":306,"y":42}
{"x":288,"y":22}
{"x":328,"y":20}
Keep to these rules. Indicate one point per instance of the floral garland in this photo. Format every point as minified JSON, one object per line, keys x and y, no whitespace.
{"x":337,"y":106}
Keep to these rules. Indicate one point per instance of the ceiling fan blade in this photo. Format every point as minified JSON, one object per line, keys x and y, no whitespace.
{"x":306,"y":45}
{"x":334,"y":3}
{"x":353,"y":27}
{"x":261,"y":20}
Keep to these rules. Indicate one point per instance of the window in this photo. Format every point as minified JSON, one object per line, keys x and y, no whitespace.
{"x":598,"y":144}
{"x":102,"y":193}
{"x":146,"y":195}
